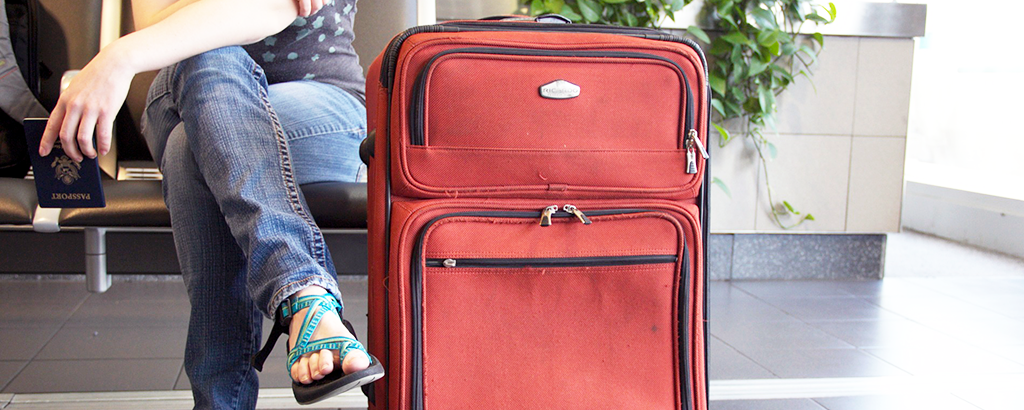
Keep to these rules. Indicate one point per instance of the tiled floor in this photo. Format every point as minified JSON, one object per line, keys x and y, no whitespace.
{"x":944,"y":330}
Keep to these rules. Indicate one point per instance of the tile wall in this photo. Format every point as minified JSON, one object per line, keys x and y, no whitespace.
{"x":841,"y":144}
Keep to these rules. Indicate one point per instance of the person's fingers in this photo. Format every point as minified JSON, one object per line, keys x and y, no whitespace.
{"x":315,"y":6}
{"x":104,"y":133}
{"x":304,"y":7}
{"x":52,"y":130}
{"x":69,"y":133}
{"x":85,"y":128}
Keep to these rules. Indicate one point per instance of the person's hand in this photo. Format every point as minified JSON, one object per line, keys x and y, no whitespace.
{"x":309,"y":7}
{"x":89,"y":104}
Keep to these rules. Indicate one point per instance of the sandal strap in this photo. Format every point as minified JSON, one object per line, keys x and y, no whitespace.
{"x":344,"y":346}
{"x":293,"y":304}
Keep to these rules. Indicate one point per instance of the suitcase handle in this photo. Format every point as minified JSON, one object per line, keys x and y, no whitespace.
{"x":366,"y":148}
{"x":543,"y":18}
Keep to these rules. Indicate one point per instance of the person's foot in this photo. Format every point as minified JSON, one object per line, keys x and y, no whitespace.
{"x":314,"y":366}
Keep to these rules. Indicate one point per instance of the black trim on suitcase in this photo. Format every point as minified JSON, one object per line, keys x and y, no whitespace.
{"x":390,"y":61}
{"x":416,"y":302}
{"x":550,"y":262}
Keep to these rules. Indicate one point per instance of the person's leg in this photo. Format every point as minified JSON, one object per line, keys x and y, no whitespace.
{"x":240,"y":150}
{"x":224,"y":324}
{"x":221,"y":173}
{"x":323,"y":126}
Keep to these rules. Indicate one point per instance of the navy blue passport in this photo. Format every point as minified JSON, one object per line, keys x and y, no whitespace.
{"x":60,"y":181}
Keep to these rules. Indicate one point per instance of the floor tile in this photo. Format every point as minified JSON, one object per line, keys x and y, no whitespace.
{"x":910,"y":254}
{"x":986,"y":332}
{"x":732,"y":305}
{"x":996,"y":392}
{"x":39,"y":303}
{"x":22,"y":343}
{"x":931,"y":360}
{"x":832,"y":309}
{"x":782,"y":404}
{"x":182,"y":382}
{"x":933,"y":401}
{"x":275,"y":376}
{"x":272,"y":376}
{"x":52,"y":376}
{"x":1015,"y":353}
{"x":156,"y":291}
{"x":8,"y":369}
{"x":934,"y":308}
{"x":725,"y":363}
{"x":116,"y":343}
{"x":799,"y":288}
{"x":130,"y":312}
{"x":884,"y":333}
{"x":822,"y":363}
{"x":767,"y":336}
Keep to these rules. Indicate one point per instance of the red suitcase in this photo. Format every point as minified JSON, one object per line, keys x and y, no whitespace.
{"x":536,"y":204}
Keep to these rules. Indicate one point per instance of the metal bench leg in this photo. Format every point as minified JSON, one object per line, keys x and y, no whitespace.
{"x":96,"y":278}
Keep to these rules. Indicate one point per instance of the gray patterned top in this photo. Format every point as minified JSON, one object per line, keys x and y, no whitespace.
{"x":318,"y":48}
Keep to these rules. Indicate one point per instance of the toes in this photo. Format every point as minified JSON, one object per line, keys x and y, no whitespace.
{"x":315,"y":370}
{"x":300,"y":371}
{"x":355,"y":361}
{"x":326,"y":362}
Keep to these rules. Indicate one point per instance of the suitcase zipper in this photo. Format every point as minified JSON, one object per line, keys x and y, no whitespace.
{"x":416,"y":115}
{"x":416,"y":279}
{"x":692,"y":144}
{"x":581,"y":262}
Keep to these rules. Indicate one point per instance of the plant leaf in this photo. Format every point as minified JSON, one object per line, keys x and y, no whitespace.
{"x":816,"y":18}
{"x":831,"y":10}
{"x":613,"y":1}
{"x":772,"y":151}
{"x":717,"y":83}
{"x":589,"y":9}
{"x":790,"y":208}
{"x":721,"y":185}
{"x":568,"y":13}
{"x":809,"y":217}
{"x":554,"y":6}
{"x":698,"y":33}
{"x":736,"y":37}
{"x":723,"y":133}
{"x":717,"y":105}
{"x":756,"y":67}
{"x":819,"y":38}
{"x":764,"y":19}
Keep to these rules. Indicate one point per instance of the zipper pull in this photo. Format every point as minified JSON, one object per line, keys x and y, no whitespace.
{"x":448,"y":263}
{"x":545,"y":215}
{"x":572,"y":209}
{"x":691,"y":158}
{"x":700,"y":145}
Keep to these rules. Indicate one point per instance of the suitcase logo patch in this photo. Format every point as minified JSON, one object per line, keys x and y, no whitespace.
{"x":559,"y":90}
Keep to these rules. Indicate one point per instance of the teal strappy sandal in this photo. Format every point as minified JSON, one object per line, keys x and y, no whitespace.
{"x":337,"y":381}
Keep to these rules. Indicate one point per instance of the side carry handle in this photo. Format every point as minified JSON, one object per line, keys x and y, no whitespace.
{"x":366,"y":147}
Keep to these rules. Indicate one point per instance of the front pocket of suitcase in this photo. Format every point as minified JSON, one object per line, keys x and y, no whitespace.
{"x":567,"y":316}
{"x":563,"y":120}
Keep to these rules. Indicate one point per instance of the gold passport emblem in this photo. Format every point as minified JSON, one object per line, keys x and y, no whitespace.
{"x":66,"y":170}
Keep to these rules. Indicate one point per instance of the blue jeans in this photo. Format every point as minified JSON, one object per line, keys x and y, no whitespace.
{"x":233,"y":152}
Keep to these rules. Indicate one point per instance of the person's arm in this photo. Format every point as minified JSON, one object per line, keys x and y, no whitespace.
{"x":174,"y":32}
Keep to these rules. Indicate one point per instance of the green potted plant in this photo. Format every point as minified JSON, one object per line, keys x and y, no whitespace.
{"x":757,"y":51}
